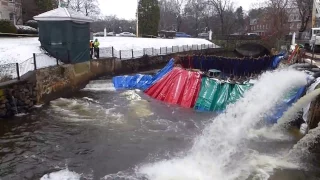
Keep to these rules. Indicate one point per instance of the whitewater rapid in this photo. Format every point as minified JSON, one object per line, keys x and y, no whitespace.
{"x":221,"y":151}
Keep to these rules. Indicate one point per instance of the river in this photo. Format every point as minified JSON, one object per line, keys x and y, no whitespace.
{"x":100,"y":133}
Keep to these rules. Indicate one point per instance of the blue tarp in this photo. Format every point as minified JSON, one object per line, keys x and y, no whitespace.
{"x":276,"y":61}
{"x":292,"y":98}
{"x":141,"y":81}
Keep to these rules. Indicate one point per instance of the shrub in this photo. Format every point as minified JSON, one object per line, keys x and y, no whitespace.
{"x":26,"y":30}
{"x":32,"y":23}
{"x":7,"y":27}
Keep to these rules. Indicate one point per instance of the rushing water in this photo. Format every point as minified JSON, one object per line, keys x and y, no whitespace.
{"x":100,"y":133}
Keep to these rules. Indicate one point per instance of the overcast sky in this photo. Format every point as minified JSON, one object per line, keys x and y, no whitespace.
{"x":127,"y":8}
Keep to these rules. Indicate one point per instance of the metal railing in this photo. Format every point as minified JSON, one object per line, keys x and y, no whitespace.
{"x":108,"y":52}
{"x":14,"y":71}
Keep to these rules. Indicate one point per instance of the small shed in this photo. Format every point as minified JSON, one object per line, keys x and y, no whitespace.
{"x":65,"y":34}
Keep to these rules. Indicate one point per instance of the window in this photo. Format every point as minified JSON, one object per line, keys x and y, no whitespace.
{"x":11,"y":16}
{"x":262,"y":26}
{"x":12,"y":1}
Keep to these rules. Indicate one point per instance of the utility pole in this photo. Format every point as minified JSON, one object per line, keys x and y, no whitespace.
{"x":137,"y":28}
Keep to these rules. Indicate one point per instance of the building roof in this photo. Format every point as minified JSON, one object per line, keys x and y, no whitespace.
{"x":62,"y":14}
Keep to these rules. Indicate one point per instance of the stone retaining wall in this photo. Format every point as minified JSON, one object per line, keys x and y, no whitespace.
{"x":17,"y":98}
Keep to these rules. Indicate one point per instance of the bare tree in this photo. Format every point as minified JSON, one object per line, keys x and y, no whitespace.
{"x":178,"y":10}
{"x":195,"y":9}
{"x":90,"y":7}
{"x":87,"y":7}
{"x":305,"y":11}
{"x":221,"y":7}
{"x":17,"y":11}
{"x":167,"y":15}
{"x":276,"y":16}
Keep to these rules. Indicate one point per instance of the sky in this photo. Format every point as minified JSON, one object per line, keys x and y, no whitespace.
{"x":126,"y":9}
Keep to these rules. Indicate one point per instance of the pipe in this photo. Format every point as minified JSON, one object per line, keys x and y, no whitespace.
{"x":295,"y":66}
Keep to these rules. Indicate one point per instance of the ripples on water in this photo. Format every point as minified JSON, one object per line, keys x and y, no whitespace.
{"x":100,"y":133}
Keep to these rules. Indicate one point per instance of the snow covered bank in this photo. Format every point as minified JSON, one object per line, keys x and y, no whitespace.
{"x":20,"y":50}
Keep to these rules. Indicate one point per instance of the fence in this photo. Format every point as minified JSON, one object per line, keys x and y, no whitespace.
{"x":16,"y":70}
{"x":41,"y":60}
{"x":108,"y":52}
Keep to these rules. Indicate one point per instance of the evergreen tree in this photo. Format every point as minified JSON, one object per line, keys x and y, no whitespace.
{"x":240,"y":17}
{"x":149,"y":17}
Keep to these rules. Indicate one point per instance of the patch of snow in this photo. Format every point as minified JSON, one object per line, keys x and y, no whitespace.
{"x":20,"y":50}
{"x":62,"y":14}
{"x":26,"y":28}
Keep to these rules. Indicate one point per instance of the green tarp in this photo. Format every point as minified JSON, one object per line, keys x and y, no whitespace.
{"x":215,"y":95}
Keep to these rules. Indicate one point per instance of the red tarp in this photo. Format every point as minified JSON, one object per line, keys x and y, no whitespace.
{"x":178,"y":87}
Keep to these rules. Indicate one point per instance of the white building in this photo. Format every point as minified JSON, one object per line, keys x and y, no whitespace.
{"x":11,"y":10}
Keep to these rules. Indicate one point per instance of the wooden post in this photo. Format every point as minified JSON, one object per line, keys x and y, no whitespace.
{"x":166,"y":50}
{"x":120,"y":54}
{"x":18,"y":72}
{"x":112,"y":51}
{"x":34,"y":61}
{"x":160,"y":50}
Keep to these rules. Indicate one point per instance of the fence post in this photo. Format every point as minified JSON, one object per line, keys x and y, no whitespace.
{"x":132,"y":53}
{"x":34,"y":61}
{"x":18,"y":72}
{"x":160,"y":50}
{"x":152,"y":51}
{"x":166,"y":50}
{"x":172,"y":49}
{"x":197,"y":47}
{"x":112,"y":51}
{"x":187,"y":47}
{"x":120,"y":54}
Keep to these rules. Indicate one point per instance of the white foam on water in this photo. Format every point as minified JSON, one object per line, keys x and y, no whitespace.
{"x":114,"y":117}
{"x":221,"y":152}
{"x":21,"y":114}
{"x":90,"y":99}
{"x":268,"y":133}
{"x":309,"y":141}
{"x":131,"y":95}
{"x":100,"y":85}
{"x":38,"y":105}
{"x":64,"y":174}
